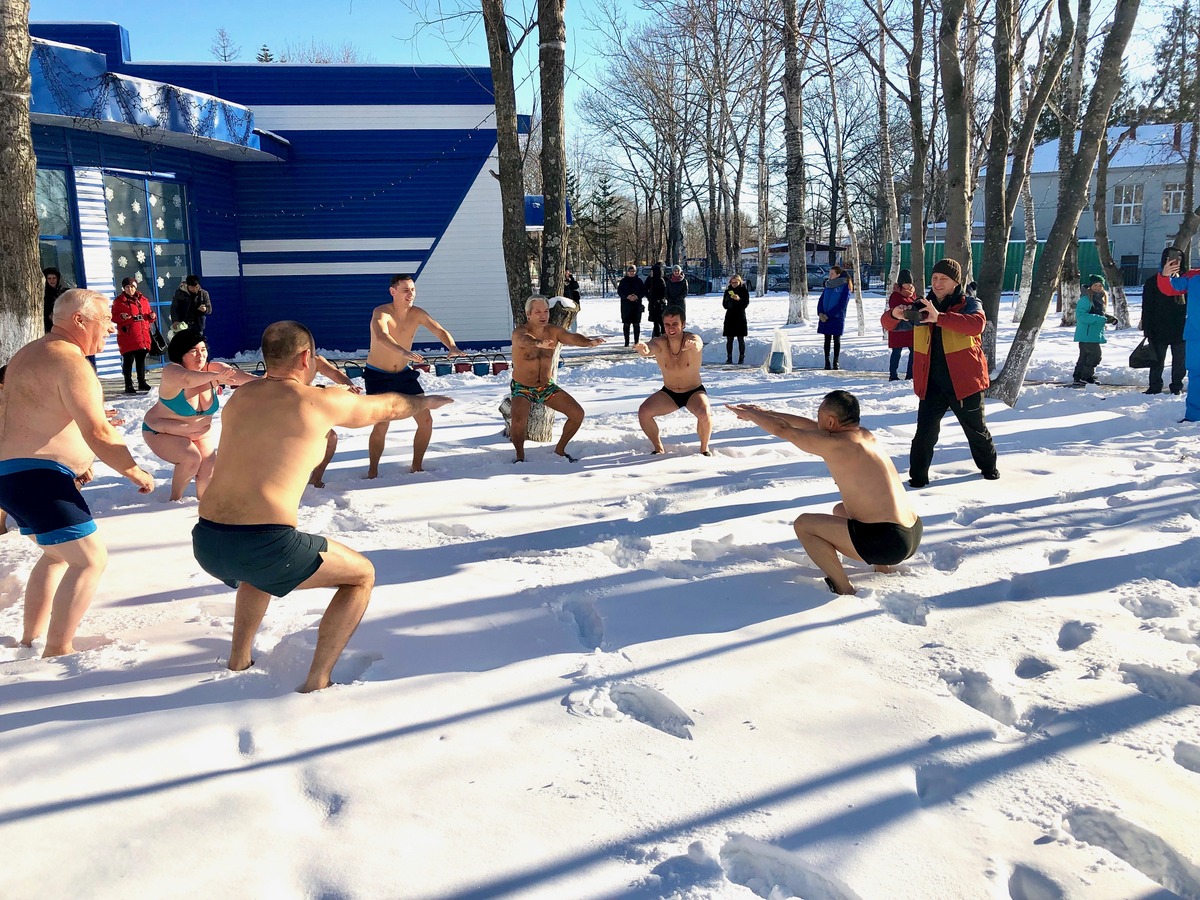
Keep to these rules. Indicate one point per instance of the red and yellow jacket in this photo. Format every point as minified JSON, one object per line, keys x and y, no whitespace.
{"x":961,"y":325}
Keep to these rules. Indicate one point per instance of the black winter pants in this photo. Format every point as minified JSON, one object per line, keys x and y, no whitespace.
{"x":1089,"y":358}
{"x":1178,"y":365}
{"x":741,"y":349}
{"x":637,"y":331}
{"x":968,"y":411}
{"x":127,"y":362}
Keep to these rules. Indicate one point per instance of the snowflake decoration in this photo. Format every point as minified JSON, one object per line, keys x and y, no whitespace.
{"x":135,"y":206}
{"x":122,"y":261}
{"x":178,"y":261}
{"x":161,"y":282}
{"x":178,"y":223}
{"x":43,"y":211}
{"x":166,"y":275}
{"x":158,"y":249}
{"x":159,"y":224}
{"x":120,"y":218}
{"x":153,"y":200}
{"x":140,"y":276}
{"x":141,"y":256}
{"x":108,"y":194}
{"x":176,"y":202}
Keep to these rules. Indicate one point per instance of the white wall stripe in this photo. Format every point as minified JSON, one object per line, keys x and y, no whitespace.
{"x":96,"y":258}
{"x":375,"y":118}
{"x":339,"y":245}
{"x":383,"y":267}
{"x":219,"y":264}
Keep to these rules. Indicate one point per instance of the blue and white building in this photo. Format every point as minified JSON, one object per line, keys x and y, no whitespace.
{"x":293,"y":191}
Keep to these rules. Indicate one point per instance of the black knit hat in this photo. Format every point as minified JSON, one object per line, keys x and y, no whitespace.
{"x":905,"y":277}
{"x":950,"y":268}
{"x":182,"y":342}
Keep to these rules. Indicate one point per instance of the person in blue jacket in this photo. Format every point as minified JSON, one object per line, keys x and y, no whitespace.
{"x":1170,"y":282}
{"x":1091,"y":315}
{"x":831,"y":310}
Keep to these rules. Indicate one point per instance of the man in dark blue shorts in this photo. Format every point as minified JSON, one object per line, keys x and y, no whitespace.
{"x":874,"y":522}
{"x":52,"y":427}
{"x":678,"y":354}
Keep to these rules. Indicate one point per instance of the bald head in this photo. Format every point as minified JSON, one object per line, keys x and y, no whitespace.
{"x":282,"y":342}
{"x":78,"y":300}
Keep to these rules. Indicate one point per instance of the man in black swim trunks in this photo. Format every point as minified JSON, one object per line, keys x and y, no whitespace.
{"x":677,"y":353}
{"x":274,"y":434}
{"x":874,"y":522}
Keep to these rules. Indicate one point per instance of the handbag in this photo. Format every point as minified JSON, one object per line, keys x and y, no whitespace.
{"x":158,"y":345}
{"x":1143,"y":355}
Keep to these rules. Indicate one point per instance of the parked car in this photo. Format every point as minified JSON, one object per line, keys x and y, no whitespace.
{"x":816,"y":274}
{"x":773,"y":272}
{"x":779,"y":281}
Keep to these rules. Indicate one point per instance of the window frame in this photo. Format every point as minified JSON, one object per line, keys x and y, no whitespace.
{"x":1128,"y":209}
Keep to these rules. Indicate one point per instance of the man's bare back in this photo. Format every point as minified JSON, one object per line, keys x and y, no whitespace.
{"x":870,"y":486}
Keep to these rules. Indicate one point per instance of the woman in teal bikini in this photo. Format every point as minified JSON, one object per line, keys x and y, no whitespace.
{"x":178,"y":427}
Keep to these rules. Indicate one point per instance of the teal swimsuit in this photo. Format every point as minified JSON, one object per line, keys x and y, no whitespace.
{"x":179,"y":405}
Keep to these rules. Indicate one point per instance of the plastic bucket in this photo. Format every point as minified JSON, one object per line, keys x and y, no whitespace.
{"x":775,"y":367}
{"x":481,"y":367}
{"x":461,"y":366}
{"x":353,"y":370}
{"x":421,"y":367}
{"x":442,"y":367}
{"x":499,"y":364}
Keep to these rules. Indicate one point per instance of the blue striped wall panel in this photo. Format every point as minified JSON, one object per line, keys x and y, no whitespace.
{"x":95,"y":260}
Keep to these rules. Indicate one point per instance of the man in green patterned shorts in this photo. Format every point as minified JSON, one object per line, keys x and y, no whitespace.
{"x":533,"y":346}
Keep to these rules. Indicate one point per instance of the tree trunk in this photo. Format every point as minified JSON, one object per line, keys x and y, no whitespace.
{"x":958,"y":137}
{"x":793,"y":125}
{"x":20,"y":270}
{"x":920,"y":149}
{"x":887,"y":177}
{"x":1116,"y":285}
{"x":1007,"y":385}
{"x":1030,"y":254}
{"x":1068,"y":279}
{"x":508,"y":146}
{"x":552,"y":49}
{"x":764,"y":177}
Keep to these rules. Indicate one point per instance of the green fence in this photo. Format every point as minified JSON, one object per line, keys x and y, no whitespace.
{"x":1089,"y":258}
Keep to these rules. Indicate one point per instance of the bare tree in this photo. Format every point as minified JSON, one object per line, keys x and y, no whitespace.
{"x":958,"y":135}
{"x":795,"y":50}
{"x":223,"y":48}
{"x":1068,"y":122}
{"x":315,"y":52}
{"x":1007,"y":385}
{"x":1100,"y":220}
{"x":552,"y":50}
{"x":887,"y":180}
{"x":20,"y":274}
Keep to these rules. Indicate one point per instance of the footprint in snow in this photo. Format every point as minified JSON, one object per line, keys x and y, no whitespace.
{"x":1144,"y":850}
{"x":770,"y":871}
{"x":1027,"y":883}
{"x":624,"y":698}
{"x":1169,"y":687}
{"x":1075,"y":634}
{"x":1188,"y":756}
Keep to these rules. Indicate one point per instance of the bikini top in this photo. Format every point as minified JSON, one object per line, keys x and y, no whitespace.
{"x":180,"y":406}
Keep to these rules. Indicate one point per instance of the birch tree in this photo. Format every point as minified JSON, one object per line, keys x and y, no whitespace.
{"x":1007,"y":386}
{"x":20,"y":272}
{"x":795,"y":52}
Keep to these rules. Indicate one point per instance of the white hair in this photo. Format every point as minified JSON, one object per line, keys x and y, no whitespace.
{"x":79,"y":300}
{"x":534,"y":299}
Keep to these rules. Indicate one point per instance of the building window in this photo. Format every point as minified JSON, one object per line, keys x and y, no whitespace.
{"x":1127,"y":204}
{"x":56,"y":230}
{"x":148,"y":235}
{"x":1172,"y":198}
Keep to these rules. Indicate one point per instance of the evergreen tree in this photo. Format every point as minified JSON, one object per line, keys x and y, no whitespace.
{"x":265,"y":54}
{"x":604,"y":216}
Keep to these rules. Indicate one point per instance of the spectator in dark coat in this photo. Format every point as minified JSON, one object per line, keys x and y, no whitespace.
{"x":631,"y":290}
{"x":571,"y":288}
{"x":191,"y":305}
{"x":132,"y":315}
{"x":903,"y":294}
{"x":735,"y":301}
{"x":831,"y":310}
{"x":656,"y":292}
{"x":54,"y":288}
{"x":676,"y":294}
{"x":1163,"y":317}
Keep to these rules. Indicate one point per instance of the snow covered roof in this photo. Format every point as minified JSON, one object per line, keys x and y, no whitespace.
{"x":1149,"y":145}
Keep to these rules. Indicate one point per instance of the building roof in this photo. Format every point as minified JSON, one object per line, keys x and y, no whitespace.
{"x":1147,"y":145}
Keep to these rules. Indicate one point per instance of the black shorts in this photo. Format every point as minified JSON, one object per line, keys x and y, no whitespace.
{"x":273,"y":558}
{"x":380,"y":381}
{"x":43,"y":499}
{"x":681,"y":398}
{"x":884,"y":543}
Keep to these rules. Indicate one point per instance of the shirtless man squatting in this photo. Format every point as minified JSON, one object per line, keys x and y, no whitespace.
{"x":533,"y":346}
{"x":390,"y":361}
{"x":678,"y":354}
{"x":274,"y":433}
{"x":874,"y":523}
{"x":52,"y":426}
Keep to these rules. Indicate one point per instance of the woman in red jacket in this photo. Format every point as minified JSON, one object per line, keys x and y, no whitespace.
{"x":132,"y":315}
{"x":903,"y":294}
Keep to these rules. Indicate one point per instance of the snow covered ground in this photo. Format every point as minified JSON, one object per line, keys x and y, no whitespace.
{"x":623,"y":678}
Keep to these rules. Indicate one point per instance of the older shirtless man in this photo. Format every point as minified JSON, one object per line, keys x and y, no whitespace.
{"x":274,"y":434}
{"x":390,"y":362}
{"x":533,"y":353}
{"x":52,"y":426}
{"x":874,"y":522}
{"x":677,"y":353}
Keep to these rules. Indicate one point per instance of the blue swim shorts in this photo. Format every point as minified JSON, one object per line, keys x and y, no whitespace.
{"x":43,"y":499}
